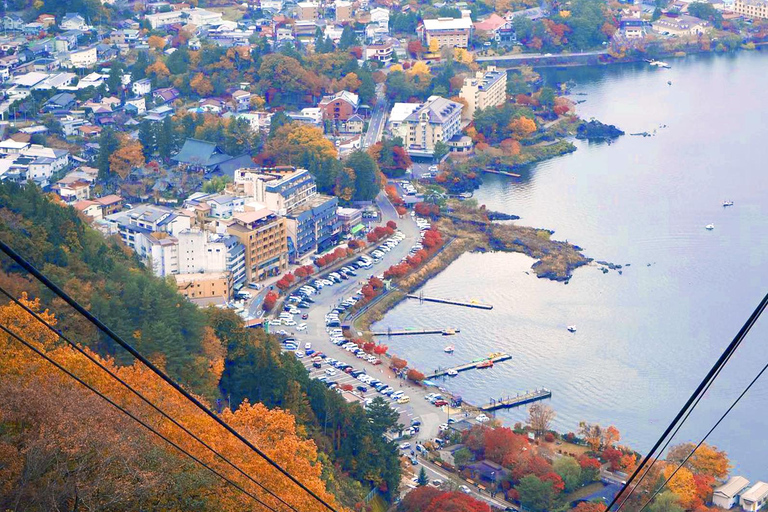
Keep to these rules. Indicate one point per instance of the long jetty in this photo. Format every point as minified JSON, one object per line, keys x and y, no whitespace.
{"x":414,"y":332}
{"x":503,"y":173}
{"x":469,"y":366}
{"x":476,"y":305}
{"x":515,"y":401}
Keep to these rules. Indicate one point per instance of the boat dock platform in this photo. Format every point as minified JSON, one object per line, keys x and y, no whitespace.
{"x":515,"y":401}
{"x":503,"y":173}
{"x":476,"y":305}
{"x":469,"y":366}
{"x":415,"y":332}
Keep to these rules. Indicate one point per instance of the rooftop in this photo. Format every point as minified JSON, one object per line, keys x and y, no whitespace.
{"x":756,"y":492}
{"x":448,"y":24}
{"x":732,"y":487}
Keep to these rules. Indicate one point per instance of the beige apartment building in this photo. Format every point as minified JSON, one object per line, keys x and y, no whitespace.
{"x":486,"y":89}
{"x":307,"y":11}
{"x":265,"y":238}
{"x":216,"y":285}
{"x":343,"y":10}
{"x":751,"y":8}
{"x":448,"y":32}
{"x":437,"y":120}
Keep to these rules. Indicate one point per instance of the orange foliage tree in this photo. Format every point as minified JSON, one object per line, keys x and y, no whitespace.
{"x":201,"y":85}
{"x":129,"y":155}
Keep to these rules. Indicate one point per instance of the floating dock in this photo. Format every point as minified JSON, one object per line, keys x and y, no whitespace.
{"x":415,"y":332}
{"x":476,"y":305}
{"x":515,"y":401}
{"x":469,"y":366}
{"x":502,"y":173}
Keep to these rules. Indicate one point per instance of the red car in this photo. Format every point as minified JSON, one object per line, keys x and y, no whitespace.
{"x":378,"y":361}
{"x":440,"y":403}
{"x":349,"y":370}
{"x":304,"y":316}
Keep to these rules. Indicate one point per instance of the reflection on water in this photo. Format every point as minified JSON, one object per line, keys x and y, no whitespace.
{"x":645,"y":337}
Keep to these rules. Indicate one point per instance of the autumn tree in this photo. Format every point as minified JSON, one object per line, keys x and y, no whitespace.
{"x":707,"y":460}
{"x":522,"y":127}
{"x":502,"y":446}
{"x":158,"y":70}
{"x":569,"y":470}
{"x":415,"y":375}
{"x":535,"y":494}
{"x":128,"y":156}
{"x":539,"y":417}
{"x":586,"y":506}
{"x":682,"y":485}
{"x":201,"y":85}
{"x":156,"y":42}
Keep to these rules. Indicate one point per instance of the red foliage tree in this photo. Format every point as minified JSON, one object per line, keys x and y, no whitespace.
{"x":503,"y":446}
{"x":401,"y":210}
{"x":398,"y":363}
{"x":371,"y":237}
{"x":368,"y":346}
{"x":321,"y":262}
{"x":415,"y":375}
{"x":426,"y":209}
{"x":456,"y":502}
{"x":300,"y":272}
{"x":392,"y":224}
{"x":380,"y":349}
{"x":613,"y":456}
{"x":557,"y":482}
{"x":376,"y":283}
{"x":269,"y":301}
{"x":368,"y":292}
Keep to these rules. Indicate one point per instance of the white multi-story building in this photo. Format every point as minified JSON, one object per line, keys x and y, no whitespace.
{"x":448,"y":32}
{"x":203,"y":18}
{"x":84,"y":58}
{"x":437,"y":120}
{"x":163,"y":19}
{"x":380,"y":16}
{"x":204,"y":252}
{"x":141,"y":87}
{"x":280,"y":190}
{"x":486,"y":89}
{"x":751,"y":8}
{"x":221,"y":206}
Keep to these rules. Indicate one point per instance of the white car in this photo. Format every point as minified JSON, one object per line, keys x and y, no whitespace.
{"x":301,"y":327}
{"x":330,"y":371}
{"x":275,"y":321}
{"x":405,"y":446}
{"x":443,"y":427}
{"x":482,"y":418}
{"x":307,"y":346}
{"x":464,"y":489}
{"x":299,"y":354}
{"x":289,"y":322}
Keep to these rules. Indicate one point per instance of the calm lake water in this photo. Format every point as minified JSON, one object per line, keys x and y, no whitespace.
{"x":646,"y":337}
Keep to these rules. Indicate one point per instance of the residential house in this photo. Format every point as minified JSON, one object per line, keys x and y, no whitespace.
{"x":33,"y":28}
{"x":486,"y":89}
{"x":264,"y":235}
{"x":83,"y":58}
{"x":13,"y":23}
{"x":73,"y":21}
{"x":60,"y":101}
{"x":242,"y":100}
{"x":447,"y":453}
{"x":75,"y":191}
{"x":91,"y":209}
{"x":681,"y":25}
{"x":46,"y":20}
{"x":136,"y":106}
{"x":437,"y":120}
{"x":494,"y":25}
{"x":755,"y":498}
{"x":448,"y":32}
{"x":349,"y":219}
{"x":380,"y":17}
{"x":165,"y":95}
{"x":340,"y":106}
{"x":259,"y":121}
{"x":729,"y":494}
{"x":380,"y":52}
{"x":70,"y":125}
{"x":211,"y":106}
{"x":632,"y":28}
{"x":89,"y":131}
{"x":751,"y":8}
{"x":487,"y":472}
{"x":66,"y":41}
{"x":273,"y":6}
{"x":110,"y":204}
{"x":354,"y":124}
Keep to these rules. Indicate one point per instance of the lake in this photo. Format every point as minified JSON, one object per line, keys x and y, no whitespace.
{"x":646,"y":337}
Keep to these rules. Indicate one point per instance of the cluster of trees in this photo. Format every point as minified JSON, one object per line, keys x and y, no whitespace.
{"x":427,"y":210}
{"x":270,"y":300}
{"x":62,"y":447}
{"x":431,"y":499}
{"x":432,"y":241}
{"x":391,"y":157}
{"x":495,"y":125}
{"x":417,"y":82}
{"x":286,"y":281}
{"x":455,"y":179}
{"x":338,"y":254}
{"x":379,"y":233}
{"x":576,"y":26}
{"x":371,"y":289}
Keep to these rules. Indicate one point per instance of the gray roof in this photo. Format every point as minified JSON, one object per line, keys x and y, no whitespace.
{"x":439,"y":110}
{"x":200,"y":152}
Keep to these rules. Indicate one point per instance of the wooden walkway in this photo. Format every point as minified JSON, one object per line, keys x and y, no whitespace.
{"x":476,"y":305}
{"x":503,"y":173}
{"x":469,"y":366}
{"x":414,"y":332}
{"x":515,"y":401}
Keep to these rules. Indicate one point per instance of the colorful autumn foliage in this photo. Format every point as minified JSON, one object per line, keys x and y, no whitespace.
{"x":430,"y":499}
{"x":269,"y":301}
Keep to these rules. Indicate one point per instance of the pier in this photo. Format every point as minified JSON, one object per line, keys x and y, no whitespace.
{"x":415,"y":332}
{"x":502,"y":173}
{"x":476,"y":305}
{"x":469,"y":366}
{"x":516,"y":401}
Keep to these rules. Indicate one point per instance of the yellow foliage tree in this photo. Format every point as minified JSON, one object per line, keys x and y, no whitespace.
{"x":156,"y":42}
{"x":463,"y":56}
{"x":201,"y":85}
{"x":128,"y":156}
{"x":419,"y":68}
{"x":683,"y":485}
{"x":522,"y":127}
{"x":395,"y":67}
{"x":434,"y":45}
{"x":158,"y":69}
{"x":350,"y":83}
{"x":295,"y":139}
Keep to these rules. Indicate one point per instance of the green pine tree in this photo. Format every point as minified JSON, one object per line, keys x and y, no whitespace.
{"x":423,"y":479}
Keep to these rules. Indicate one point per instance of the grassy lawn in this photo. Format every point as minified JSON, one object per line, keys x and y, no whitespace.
{"x":584,"y":491}
{"x":378,"y":504}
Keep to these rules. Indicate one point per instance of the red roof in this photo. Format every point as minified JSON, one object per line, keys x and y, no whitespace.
{"x":493,"y":22}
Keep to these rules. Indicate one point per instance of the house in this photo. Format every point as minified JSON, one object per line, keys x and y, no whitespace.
{"x":46,"y":20}
{"x":354,"y":124}
{"x":211,"y":105}
{"x":751,"y":8}
{"x":273,"y":6}
{"x":446,"y":454}
{"x":486,"y":89}
{"x":73,"y":21}
{"x":632,"y":28}
{"x":340,"y":106}
{"x":76,"y":191}
{"x":165,"y":95}
{"x":60,"y":101}
{"x":380,"y":17}
{"x":680,"y":25}
{"x":487,"y":471}
{"x":163,"y":19}
{"x":448,"y":32}
{"x":67,"y":41}
{"x":259,"y":120}
{"x":136,"y":106}
{"x":242,"y":100}
{"x":493,"y":26}
{"x":433,"y":122}
{"x":729,"y":494}
{"x":83,"y":58}
{"x":34,"y":28}
{"x":91,"y":209}
{"x":753,"y":499}
{"x":203,"y":18}
{"x":13,"y":23}
{"x":381,"y":52}
{"x":89,"y":131}
{"x":110,"y":204}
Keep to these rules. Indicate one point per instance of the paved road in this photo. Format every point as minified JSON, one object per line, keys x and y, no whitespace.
{"x":431,"y":417}
{"x":527,"y":56}
{"x":378,"y":119}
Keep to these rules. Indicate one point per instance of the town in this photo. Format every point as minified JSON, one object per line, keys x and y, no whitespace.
{"x":294,"y":171}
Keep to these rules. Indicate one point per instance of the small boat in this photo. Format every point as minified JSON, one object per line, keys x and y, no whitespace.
{"x":727,"y":203}
{"x":448,"y":349}
{"x":669,"y":82}
{"x":449,"y":332}
{"x":485,"y":364}
{"x":660,"y":64}
{"x":709,"y":227}
{"x":452,"y":373}
{"x":571,"y":328}
{"x":495,"y":354}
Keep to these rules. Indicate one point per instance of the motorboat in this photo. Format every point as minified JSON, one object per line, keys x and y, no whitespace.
{"x":709,"y":227}
{"x":660,"y":64}
{"x":449,"y":332}
{"x":485,"y":364}
{"x":493,"y":355}
{"x":727,"y":203}
{"x":571,"y":328}
{"x":452,"y":373}
{"x":448,"y":349}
